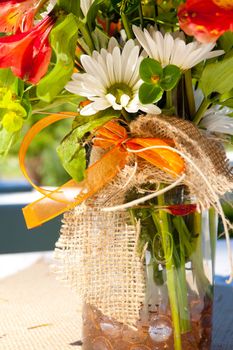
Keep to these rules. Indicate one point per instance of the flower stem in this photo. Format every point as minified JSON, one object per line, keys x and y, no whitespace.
{"x":127,"y":26}
{"x":141,"y":14}
{"x":203,"y":283}
{"x":171,"y":280}
{"x":213,"y":234}
{"x":189,"y":93}
{"x":182,"y":290}
{"x":201,"y":111}
{"x":87,"y":37}
{"x":169,"y":99}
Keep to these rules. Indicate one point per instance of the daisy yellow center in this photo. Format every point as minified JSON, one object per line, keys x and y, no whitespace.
{"x":226,"y":4}
{"x":118,"y":90}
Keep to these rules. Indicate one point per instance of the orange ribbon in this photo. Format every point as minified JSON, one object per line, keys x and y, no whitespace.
{"x":111,"y":136}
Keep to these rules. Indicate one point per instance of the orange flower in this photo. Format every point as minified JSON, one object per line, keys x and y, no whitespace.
{"x":28,"y":54}
{"x":18,"y":15}
{"x":207,"y":20}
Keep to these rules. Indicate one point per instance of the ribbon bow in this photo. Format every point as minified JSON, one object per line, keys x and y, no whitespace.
{"x":115,"y":139}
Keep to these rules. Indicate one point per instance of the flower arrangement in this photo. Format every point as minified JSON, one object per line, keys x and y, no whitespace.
{"x":149,"y":86}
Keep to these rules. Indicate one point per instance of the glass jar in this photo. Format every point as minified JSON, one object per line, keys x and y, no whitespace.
{"x":179,"y":247}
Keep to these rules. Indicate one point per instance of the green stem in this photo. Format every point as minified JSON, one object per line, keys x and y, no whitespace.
{"x":213,"y":234}
{"x":126,"y":115}
{"x":87,"y":37}
{"x":127,"y":26}
{"x":203,"y":283}
{"x":169,"y":102}
{"x":141,"y":14}
{"x":170,"y":270}
{"x":201,"y":111}
{"x":182,"y":290}
{"x":189,"y":93}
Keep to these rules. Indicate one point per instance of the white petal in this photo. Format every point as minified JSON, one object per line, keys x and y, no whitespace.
{"x":178,"y":52}
{"x":110,"y":65}
{"x":142,"y":40}
{"x":94,"y":68}
{"x":168,"y":48}
{"x":125,"y":54}
{"x":135,"y":76}
{"x":215,"y":53}
{"x":88,"y":110}
{"x":124,"y":100}
{"x":112,"y":44}
{"x":131,"y":64}
{"x":150,"y":108}
{"x":160,"y":45}
{"x":152,"y":45}
{"x":116,"y":55}
{"x":101,"y":103}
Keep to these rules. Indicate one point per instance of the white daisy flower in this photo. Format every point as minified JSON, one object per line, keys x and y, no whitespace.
{"x":85,"y":5}
{"x":217,"y":119}
{"x":111,"y":80}
{"x":170,"y":50}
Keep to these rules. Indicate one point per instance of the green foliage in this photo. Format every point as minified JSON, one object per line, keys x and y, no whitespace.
{"x":125,"y":6}
{"x":226,"y":41}
{"x":150,"y":93}
{"x":217,"y":77}
{"x":12,"y":115}
{"x":91,"y":15}
{"x":170,"y":78}
{"x":72,"y":151}
{"x":63,"y":41}
{"x":156,"y":80}
{"x":71,"y":6}
{"x":150,"y":70}
{"x":7,"y":139}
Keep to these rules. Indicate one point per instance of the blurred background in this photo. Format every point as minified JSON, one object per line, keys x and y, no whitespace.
{"x":15,"y":192}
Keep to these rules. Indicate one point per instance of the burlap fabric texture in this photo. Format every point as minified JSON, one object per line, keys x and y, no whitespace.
{"x":97,"y":251}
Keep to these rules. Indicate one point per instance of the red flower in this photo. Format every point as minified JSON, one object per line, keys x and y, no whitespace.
{"x":181,"y":209}
{"x":207,"y":20}
{"x":28,"y":54}
{"x":17,"y":15}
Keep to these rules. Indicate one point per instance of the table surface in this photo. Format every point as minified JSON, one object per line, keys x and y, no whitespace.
{"x":223,"y":318}
{"x":32,"y":298}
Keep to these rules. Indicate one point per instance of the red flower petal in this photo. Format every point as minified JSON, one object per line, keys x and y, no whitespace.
{"x":28,"y":54}
{"x":182,"y":209}
{"x":204,"y":19}
{"x":18,"y":15}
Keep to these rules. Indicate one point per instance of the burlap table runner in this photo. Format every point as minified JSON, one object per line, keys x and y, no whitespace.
{"x":37,"y":312}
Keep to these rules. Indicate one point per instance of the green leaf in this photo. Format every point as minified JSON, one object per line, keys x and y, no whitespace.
{"x":7,"y":78}
{"x":72,"y":6}
{"x":171,"y":77}
{"x":125,"y":6}
{"x":150,"y":93}
{"x":100,"y":39}
{"x":107,"y":113}
{"x":91,"y":15}
{"x":58,"y":103}
{"x":12,"y":122}
{"x":226,"y":41}
{"x":217,"y":77}
{"x":7,"y":139}
{"x":150,"y":71}
{"x":63,"y":41}
{"x":72,"y":152}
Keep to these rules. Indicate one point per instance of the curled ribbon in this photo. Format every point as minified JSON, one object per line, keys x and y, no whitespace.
{"x":112,"y":137}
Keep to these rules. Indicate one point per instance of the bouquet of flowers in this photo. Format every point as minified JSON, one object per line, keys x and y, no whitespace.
{"x":149,"y":86}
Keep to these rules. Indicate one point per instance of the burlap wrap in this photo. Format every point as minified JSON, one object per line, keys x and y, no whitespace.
{"x":97,"y":251}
